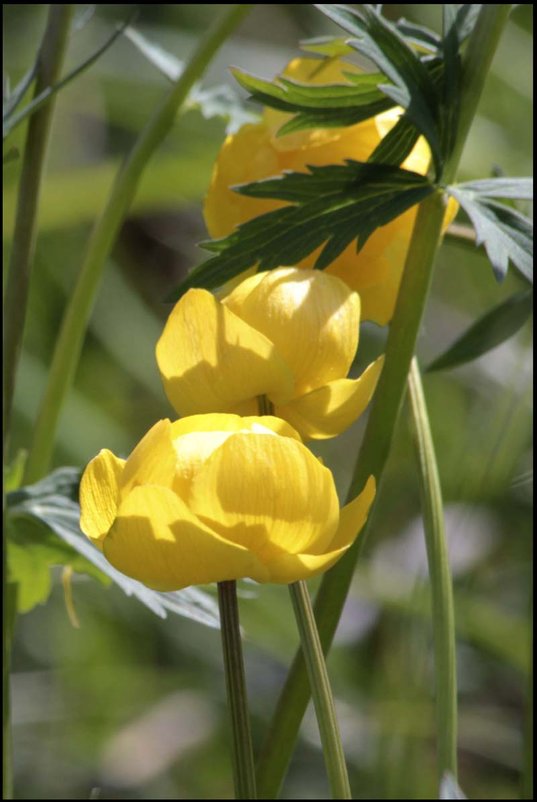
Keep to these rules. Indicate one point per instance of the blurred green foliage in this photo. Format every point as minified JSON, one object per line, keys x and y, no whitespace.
{"x":135,"y":706}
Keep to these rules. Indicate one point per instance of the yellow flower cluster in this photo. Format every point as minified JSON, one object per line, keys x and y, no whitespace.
{"x":226,"y":492}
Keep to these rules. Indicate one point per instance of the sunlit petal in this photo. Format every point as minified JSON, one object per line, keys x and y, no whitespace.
{"x":158,"y":541}
{"x":211,"y":360}
{"x":331,"y":409}
{"x":99,"y":492}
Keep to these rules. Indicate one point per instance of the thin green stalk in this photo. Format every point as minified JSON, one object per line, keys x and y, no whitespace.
{"x":243,"y":759}
{"x":387,"y":401}
{"x":445,"y":658}
{"x":48,"y":68}
{"x":49,"y":64}
{"x":321,"y":692}
{"x":104,"y":234}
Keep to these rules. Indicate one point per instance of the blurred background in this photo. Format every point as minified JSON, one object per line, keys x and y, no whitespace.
{"x":130,"y":706}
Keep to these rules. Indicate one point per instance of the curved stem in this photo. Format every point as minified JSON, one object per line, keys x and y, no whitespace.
{"x":386,"y":403}
{"x":243,"y":759}
{"x":321,"y":692}
{"x":49,"y":65}
{"x":445,"y":660}
{"x":106,"y":228}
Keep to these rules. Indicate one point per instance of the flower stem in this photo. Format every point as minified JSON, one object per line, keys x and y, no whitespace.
{"x":440,"y":577}
{"x":75,"y":321}
{"x":386,"y":403}
{"x":320,"y":691}
{"x":243,"y":759}
{"x":49,"y":64}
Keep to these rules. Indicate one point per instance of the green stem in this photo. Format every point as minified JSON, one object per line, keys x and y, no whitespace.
{"x":243,"y":759}
{"x":387,"y":401}
{"x":49,"y":65}
{"x":320,"y":691}
{"x":440,"y":578}
{"x":526,"y":790}
{"x":75,"y":321}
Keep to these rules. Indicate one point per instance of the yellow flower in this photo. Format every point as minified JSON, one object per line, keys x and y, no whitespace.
{"x":256,"y":152}
{"x":288,"y":334}
{"x":218,"y":497}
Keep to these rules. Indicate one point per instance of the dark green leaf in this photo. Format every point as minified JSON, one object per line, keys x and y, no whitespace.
{"x":419,"y":35}
{"x":496,"y":326}
{"x":412,"y":86}
{"x":59,"y":515}
{"x":506,"y":234}
{"x":466,"y":19}
{"x":334,"y":205}
{"x":14,"y":98}
{"x":449,"y":108}
{"x":398,"y":143}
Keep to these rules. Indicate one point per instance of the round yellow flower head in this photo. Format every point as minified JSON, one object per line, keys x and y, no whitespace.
{"x":218,"y":497}
{"x":287,"y":334}
{"x":255,"y":152}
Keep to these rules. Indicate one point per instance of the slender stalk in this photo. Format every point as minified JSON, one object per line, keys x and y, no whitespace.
{"x":440,"y":577}
{"x":243,"y":759}
{"x":49,"y":64}
{"x":387,"y":401}
{"x":321,"y":691}
{"x":48,"y":68}
{"x":106,"y":228}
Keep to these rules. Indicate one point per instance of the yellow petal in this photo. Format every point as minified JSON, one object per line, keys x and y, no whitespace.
{"x":152,"y":461}
{"x":311,"y":317}
{"x":99,"y":495}
{"x":156,"y":540}
{"x":268,"y":493}
{"x":353,"y":516}
{"x":210,"y":360}
{"x":329,"y":410}
{"x":196,"y":437}
{"x":248,"y":155}
{"x":287,"y":568}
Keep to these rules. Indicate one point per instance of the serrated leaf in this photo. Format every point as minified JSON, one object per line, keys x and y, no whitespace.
{"x":332,"y":204}
{"x":506,"y":234}
{"x":326,"y":46}
{"x":492,"y":329}
{"x":515,"y":188}
{"x":412,"y":86}
{"x":419,"y":35}
{"x":398,"y":143}
{"x":449,"y":788}
{"x":60,"y":516}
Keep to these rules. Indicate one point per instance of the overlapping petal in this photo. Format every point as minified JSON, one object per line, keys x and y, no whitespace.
{"x":211,"y":360}
{"x":268,"y":493}
{"x":157,"y":540}
{"x":332,"y":408}
{"x":312,"y":319}
{"x":99,"y":495}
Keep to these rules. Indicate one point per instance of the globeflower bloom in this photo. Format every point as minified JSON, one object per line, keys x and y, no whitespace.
{"x":218,"y":497}
{"x":287,"y":334}
{"x":255,"y":152}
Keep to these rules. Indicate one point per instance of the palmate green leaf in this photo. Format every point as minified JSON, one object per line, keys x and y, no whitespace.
{"x":331,"y":205}
{"x":506,"y":234}
{"x":412,"y":86}
{"x":50,"y":506}
{"x":492,"y":329}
